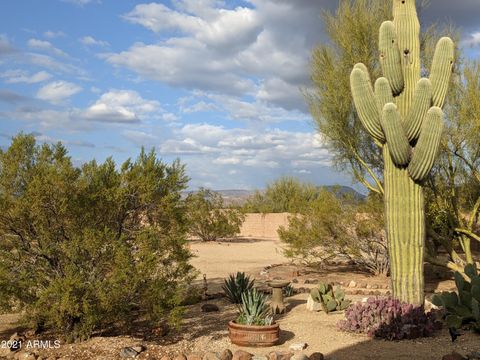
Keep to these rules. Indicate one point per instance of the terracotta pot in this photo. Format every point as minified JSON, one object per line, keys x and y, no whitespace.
{"x":253,"y":335}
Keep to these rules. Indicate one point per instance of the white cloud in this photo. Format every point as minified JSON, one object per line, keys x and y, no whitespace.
{"x":473,"y":39}
{"x":46,"y":46}
{"x":6,"y":48}
{"x":57,"y":91}
{"x":91,"y":41}
{"x":20,"y":76}
{"x":140,"y":138}
{"x":53,"y":34}
{"x":121,"y":106}
{"x":48,"y":62}
{"x":82,"y":3}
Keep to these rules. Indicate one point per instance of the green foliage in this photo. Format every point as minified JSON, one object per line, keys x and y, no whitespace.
{"x":84,"y":248}
{"x":462,"y":307}
{"x":329,"y":226}
{"x":235,"y":285}
{"x":209,"y":219}
{"x":331,"y":299}
{"x":286,"y":194}
{"x":254,"y":309}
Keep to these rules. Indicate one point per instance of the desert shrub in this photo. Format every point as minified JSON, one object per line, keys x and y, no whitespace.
{"x":235,"y":285}
{"x":462,"y":308}
{"x":388,"y":319}
{"x":82,"y":249}
{"x":286,"y":194}
{"x":336,"y":225}
{"x":208,"y":217}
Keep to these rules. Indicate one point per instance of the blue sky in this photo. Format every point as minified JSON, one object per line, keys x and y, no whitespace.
{"x":215,"y":83}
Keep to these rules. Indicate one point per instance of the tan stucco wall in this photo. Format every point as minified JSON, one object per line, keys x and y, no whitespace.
{"x":263,"y":226}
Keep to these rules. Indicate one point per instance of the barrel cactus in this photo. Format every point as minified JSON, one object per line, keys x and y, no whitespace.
{"x":403,"y":113}
{"x":462,"y":307}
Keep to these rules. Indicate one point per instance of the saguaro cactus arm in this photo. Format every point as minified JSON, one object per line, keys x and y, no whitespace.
{"x":365,"y":103}
{"x":422,"y":100}
{"x":390,"y":57}
{"x":396,"y":139}
{"x":441,"y":69}
{"x":383,"y":92}
{"x":427,"y":146}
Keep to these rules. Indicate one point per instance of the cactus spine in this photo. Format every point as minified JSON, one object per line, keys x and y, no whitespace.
{"x":403,"y":114}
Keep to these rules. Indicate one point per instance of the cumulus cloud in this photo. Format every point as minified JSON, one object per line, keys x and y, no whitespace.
{"x":20,"y":76}
{"x":473,"y":39}
{"x":50,"y":34}
{"x":46,"y":46}
{"x":6,"y":48}
{"x":11,"y":97}
{"x":121,"y":106}
{"x":57,"y":91}
{"x":139,"y":138}
{"x":91,"y":41}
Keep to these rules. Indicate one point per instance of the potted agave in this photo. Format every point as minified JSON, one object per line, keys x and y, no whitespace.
{"x":254,"y":325}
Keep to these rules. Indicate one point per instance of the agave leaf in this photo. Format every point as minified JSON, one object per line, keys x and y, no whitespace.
{"x":459,"y":281}
{"x":471,"y":271}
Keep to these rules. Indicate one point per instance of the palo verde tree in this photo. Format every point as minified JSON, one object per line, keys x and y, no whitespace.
{"x":403,"y":114}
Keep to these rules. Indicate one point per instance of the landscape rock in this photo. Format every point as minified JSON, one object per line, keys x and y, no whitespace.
{"x":298,"y":346}
{"x":279,"y":355}
{"x":226,"y":355}
{"x":352,"y":284}
{"x":453,"y":356}
{"x":259,"y":357}
{"x":15,"y":341}
{"x":241,"y":355}
{"x":128,"y":352}
{"x":313,"y":305}
{"x":211,"y":356}
{"x":295,"y":280}
{"x":210,"y":308}
{"x":368,"y":286}
{"x":316,"y":356}
{"x":165,"y":357}
{"x":194,"y":356}
{"x":299,"y":356}
{"x":139,"y":348}
{"x":178,"y":357}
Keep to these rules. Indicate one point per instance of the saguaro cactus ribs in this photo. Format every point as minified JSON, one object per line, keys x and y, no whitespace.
{"x":403,"y":115}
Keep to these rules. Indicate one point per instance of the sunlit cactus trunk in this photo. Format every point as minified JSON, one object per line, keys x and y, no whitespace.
{"x":403,"y":114}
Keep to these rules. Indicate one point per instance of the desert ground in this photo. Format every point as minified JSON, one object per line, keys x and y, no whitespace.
{"x":263,"y":259}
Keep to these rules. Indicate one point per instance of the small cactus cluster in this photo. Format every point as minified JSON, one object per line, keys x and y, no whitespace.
{"x":462,"y":307}
{"x":331,"y":299}
{"x":389,"y":319}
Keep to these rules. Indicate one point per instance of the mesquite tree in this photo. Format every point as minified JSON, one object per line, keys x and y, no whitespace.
{"x":402,"y":112}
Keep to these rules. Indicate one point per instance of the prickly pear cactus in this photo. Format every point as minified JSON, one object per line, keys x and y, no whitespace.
{"x":402,"y":112}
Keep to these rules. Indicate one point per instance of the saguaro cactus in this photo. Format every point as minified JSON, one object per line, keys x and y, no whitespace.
{"x":403,"y":115}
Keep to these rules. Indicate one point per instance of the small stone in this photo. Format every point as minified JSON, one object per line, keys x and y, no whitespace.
{"x":302,"y":290}
{"x":279,"y":355}
{"x":226,"y":355}
{"x":298,"y":346}
{"x":241,"y":355}
{"x":165,"y":357}
{"x":374,"y":286}
{"x":210,"y":308}
{"x":316,"y":356}
{"x":474,"y":355}
{"x":128,"y":352}
{"x":295,"y":281}
{"x":259,"y":357}
{"x":264,"y":273}
{"x":368,"y":286}
{"x":211,"y":356}
{"x":312,"y":305}
{"x":178,"y":357}
{"x":377,"y":292}
{"x":352,"y":284}
{"x":341,"y":283}
{"x":139,"y":348}
{"x":161,"y":330}
{"x":453,"y":356}
{"x":194,"y":356}
{"x":362,"y":285}
{"x":387,"y":292}
{"x":299,"y":356}
{"x":308,"y":281}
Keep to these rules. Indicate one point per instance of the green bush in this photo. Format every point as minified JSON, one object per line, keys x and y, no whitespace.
{"x":209,"y":219}
{"x":82,"y":249}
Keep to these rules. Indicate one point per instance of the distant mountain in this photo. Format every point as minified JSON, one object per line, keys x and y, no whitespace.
{"x":239,"y":197}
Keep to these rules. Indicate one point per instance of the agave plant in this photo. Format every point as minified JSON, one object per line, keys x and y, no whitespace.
{"x":235,"y":285}
{"x":254,"y":309}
